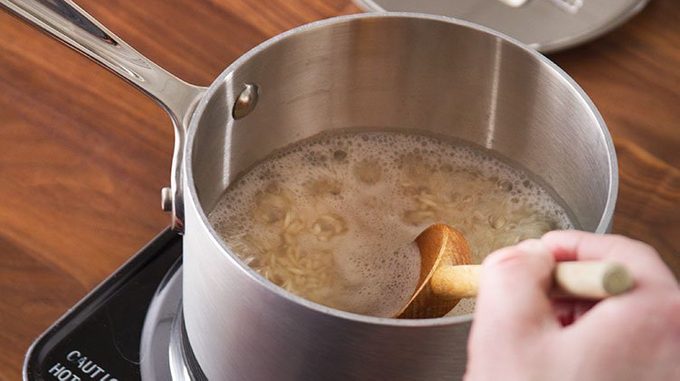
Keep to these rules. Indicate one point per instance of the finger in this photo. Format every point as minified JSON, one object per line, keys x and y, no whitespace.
{"x":641,"y":259}
{"x":634,"y":327}
{"x":513,"y":295}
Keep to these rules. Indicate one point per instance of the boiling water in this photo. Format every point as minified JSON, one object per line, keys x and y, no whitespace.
{"x":332,"y":219}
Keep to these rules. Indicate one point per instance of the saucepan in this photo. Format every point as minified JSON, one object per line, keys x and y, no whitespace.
{"x":398,"y":70}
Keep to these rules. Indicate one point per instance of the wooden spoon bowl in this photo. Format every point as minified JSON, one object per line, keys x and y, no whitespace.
{"x":441,"y":246}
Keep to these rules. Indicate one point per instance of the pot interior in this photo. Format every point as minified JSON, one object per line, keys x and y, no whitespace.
{"x":427,"y":74}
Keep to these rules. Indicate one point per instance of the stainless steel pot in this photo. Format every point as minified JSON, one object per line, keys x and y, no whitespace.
{"x":398,"y":70}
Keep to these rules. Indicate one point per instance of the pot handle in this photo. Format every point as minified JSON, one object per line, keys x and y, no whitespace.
{"x":67,"y":22}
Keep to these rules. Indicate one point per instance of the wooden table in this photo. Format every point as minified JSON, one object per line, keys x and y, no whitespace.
{"x":83,"y":155}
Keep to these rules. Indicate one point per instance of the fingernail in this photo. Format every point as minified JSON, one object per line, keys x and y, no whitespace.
{"x":533,"y":246}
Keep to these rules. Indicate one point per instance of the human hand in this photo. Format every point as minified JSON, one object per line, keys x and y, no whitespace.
{"x":519,"y":333}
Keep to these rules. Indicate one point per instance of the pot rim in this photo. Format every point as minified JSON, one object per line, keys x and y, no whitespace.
{"x":603,"y":225}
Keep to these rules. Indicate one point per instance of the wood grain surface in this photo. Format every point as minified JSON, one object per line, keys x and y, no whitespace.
{"x":83,"y":155}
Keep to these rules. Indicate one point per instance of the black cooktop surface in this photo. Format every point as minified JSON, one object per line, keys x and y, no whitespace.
{"x":99,"y":338}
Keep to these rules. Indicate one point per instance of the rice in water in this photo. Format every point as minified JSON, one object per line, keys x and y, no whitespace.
{"x":332,"y":219}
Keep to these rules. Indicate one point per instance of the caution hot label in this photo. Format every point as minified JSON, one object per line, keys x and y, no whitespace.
{"x":77,"y":366}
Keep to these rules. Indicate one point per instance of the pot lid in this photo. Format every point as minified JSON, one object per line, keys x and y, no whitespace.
{"x":546,"y":25}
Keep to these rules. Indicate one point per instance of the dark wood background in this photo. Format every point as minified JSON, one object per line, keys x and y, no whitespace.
{"x":83,"y":155}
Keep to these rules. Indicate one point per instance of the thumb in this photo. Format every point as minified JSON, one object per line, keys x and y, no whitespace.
{"x":513,"y":294}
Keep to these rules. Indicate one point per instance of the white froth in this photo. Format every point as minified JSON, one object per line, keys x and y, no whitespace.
{"x":333,"y":219}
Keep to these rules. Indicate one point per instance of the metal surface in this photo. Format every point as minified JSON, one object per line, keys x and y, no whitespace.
{"x":425,"y":74}
{"x":546,"y":25}
{"x":185,"y":366}
{"x":67,"y":22}
{"x":175,"y":351}
{"x":156,"y":362}
{"x":165,"y":353}
{"x":166,"y":199}
{"x":246,"y":101}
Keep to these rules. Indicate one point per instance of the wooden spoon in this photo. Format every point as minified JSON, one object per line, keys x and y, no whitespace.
{"x":446,"y":276}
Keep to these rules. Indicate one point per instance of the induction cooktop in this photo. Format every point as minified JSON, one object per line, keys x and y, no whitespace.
{"x":128,"y":328}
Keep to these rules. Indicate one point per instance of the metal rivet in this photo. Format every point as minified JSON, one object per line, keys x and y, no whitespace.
{"x":166,"y":199}
{"x":246,"y":101}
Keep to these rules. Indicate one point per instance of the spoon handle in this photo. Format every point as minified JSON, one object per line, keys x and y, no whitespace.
{"x":593,"y":280}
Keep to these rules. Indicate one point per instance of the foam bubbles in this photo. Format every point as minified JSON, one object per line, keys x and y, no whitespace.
{"x":333,"y":218}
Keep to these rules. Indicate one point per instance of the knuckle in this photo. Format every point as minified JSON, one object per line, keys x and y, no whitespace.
{"x":617,"y":241}
{"x":503,"y":257}
{"x":633,"y":246}
{"x":623,"y":241}
{"x":514,"y":257}
{"x":645,"y":248}
{"x":618,"y":238}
